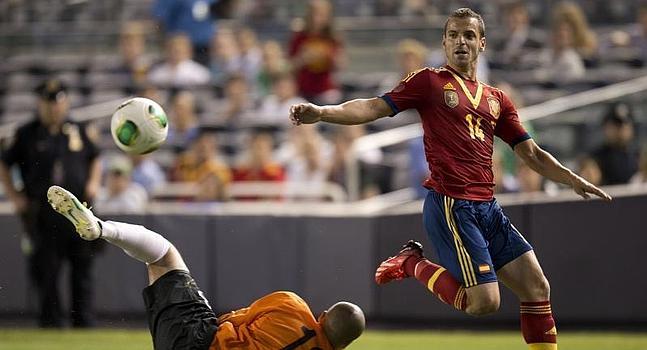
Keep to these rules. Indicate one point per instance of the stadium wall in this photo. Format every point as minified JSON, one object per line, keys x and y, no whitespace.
{"x":591,"y":252}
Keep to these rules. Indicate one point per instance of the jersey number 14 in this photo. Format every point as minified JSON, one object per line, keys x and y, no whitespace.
{"x":475,"y":127}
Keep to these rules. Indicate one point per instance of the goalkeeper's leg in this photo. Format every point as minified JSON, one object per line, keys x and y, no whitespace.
{"x":179,"y":316}
{"x":137,"y":241}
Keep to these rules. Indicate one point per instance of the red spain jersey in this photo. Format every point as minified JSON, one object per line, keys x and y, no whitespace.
{"x":460,"y":119}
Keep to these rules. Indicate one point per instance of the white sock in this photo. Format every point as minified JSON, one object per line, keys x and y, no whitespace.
{"x":136,"y":240}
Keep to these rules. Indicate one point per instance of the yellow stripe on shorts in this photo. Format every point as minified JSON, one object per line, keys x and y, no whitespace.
{"x":464,"y":259}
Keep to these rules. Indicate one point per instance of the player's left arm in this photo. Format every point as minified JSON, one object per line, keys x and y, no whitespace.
{"x":545,"y":164}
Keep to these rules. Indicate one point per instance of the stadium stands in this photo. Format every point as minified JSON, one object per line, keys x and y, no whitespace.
{"x":77,"y":44}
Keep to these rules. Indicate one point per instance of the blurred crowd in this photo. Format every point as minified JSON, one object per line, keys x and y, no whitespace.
{"x":227,"y":94}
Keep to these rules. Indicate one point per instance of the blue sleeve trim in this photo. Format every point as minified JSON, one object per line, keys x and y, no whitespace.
{"x":389,"y":101}
{"x":520,"y":139}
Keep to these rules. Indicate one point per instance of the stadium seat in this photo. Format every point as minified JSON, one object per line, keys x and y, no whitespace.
{"x":107,"y":81}
{"x":16,"y":117}
{"x":21,"y":82}
{"x":104,"y":62}
{"x":66,"y":63}
{"x":20,"y":102}
{"x":105,"y":96}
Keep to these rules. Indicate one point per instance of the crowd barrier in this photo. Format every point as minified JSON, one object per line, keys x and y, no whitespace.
{"x":591,"y":251}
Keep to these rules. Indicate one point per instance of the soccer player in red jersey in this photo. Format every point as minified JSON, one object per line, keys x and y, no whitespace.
{"x":476,"y":243}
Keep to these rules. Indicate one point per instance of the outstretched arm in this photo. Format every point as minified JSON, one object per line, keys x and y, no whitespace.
{"x":358,"y":111}
{"x":545,"y":164}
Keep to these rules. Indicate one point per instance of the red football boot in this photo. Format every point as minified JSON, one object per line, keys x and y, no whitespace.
{"x":392,"y":269}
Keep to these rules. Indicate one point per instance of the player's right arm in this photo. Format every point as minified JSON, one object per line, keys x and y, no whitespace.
{"x":412,"y":92}
{"x":358,"y":111}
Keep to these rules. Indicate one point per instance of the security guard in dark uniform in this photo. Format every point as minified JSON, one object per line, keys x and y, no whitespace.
{"x":51,"y":149}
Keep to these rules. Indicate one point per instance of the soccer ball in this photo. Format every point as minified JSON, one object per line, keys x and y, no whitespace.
{"x":139,"y":126}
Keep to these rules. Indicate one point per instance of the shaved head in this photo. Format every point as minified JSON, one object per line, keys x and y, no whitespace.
{"x":343,"y":322}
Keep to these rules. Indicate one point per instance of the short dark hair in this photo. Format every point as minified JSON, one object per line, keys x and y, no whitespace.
{"x":465,"y":12}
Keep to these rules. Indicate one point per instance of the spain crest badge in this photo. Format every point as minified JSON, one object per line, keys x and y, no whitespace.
{"x":451,"y":98}
{"x":495,"y":107}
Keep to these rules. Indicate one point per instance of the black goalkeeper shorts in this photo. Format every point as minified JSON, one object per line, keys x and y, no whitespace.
{"x":179,"y":317}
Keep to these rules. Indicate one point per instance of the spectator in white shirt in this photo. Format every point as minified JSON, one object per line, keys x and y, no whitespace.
{"x":308,"y":171}
{"x":147,"y":172}
{"x":251,"y":54}
{"x":225,"y":58}
{"x":561,"y":63}
{"x":120,"y":193}
{"x":179,"y":70}
{"x":276,"y":106}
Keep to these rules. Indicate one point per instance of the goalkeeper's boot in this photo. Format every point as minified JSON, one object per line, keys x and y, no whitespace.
{"x":392,"y":269}
{"x":65,"y":203}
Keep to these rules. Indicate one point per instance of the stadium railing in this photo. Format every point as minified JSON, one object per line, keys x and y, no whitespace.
{"x":259,"y":189}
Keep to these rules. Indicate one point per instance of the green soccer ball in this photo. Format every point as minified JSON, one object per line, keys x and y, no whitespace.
{"x":139,"y":126}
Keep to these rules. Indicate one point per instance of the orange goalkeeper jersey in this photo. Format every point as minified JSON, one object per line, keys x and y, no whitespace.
{"x":278,"y":321}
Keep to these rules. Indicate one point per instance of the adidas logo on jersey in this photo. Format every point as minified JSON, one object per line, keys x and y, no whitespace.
{"x":449,"y":86}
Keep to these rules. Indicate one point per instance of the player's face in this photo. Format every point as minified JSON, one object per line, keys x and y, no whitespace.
{"x":462,"y":42}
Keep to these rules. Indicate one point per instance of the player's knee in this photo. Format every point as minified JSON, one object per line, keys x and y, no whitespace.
{"x":541,"y":289}
{"x":483,"y":305}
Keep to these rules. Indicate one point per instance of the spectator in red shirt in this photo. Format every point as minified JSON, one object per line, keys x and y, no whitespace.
{"x":315,"y":52}
{"x":259,"y":164}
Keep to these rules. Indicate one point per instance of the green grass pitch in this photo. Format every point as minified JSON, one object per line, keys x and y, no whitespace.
{"x":14,"y":339}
